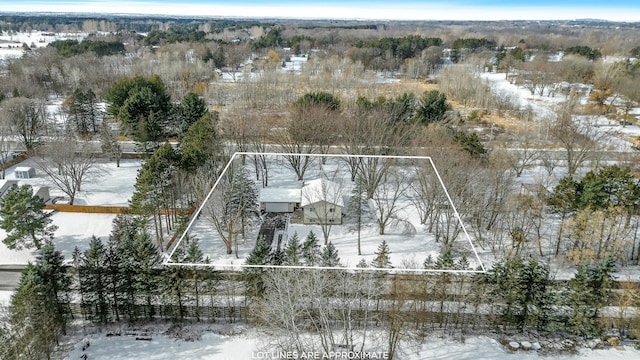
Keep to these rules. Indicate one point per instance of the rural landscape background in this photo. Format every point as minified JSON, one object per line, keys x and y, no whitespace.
{"x":245,"y":186}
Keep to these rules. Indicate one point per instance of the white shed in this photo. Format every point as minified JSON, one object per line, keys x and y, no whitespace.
{"x":24,"y":172}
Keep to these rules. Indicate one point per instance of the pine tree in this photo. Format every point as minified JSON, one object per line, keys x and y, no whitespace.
{"x":254,"y":284}
{"x":311,"y":250}
{"x":175,"y":283}
{"x":39,"y":308}
{"x":115,"y":277}
{"x":589,"y":290}
{"x":292,"y":253}
{"x":329,"y":257}
{"x":93,"y":281}
{"x":358,"y":206}
{"x":382,"y":259}
{"x":198,"y":275}
{"x":146,"y":262}
{"x":23,"y":218}
{"x":362,"y":264}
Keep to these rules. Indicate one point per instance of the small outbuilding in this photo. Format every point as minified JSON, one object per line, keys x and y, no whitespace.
{"x":24,"y":172}
{"x":279,"y":200}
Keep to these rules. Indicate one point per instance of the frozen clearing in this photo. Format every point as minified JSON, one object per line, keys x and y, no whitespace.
{"x":239,"y":347}
{"x":113,"y":187}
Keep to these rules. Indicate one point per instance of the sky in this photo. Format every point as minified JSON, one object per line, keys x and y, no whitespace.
{"x":613,"y":10}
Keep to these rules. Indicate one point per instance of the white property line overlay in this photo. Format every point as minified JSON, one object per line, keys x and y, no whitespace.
{"x":241,"y":153}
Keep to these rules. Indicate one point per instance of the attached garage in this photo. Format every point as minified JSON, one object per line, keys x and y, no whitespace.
{"x":279,"y":200}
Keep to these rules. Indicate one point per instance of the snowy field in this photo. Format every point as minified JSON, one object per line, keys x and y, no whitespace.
{"x":112,"y":186}
{"x":615,"y":135}
{"x":213,"y":346}
{"x":11,"y":43}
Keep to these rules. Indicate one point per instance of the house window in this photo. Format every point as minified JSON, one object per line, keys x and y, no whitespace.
{"x":332,"y":209}
{"x":312,"y":209}
{"x":312,"y":220}
{"x":332,"y":220}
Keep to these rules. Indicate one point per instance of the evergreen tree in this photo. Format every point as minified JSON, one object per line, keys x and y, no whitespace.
{"x":588,"y":291}
{"x":292,"y":253}
{"x":382,"y":259}
{"x":254,"y":284}
{"x":114,"y":277}
{"x":277,"y":257}
{"x":329,"y":257}
{"x":93,"y":281}
{"x":524,"y":286}
{"x":311,"y":250}
{"x":432,"y":107}
{"x":358,"y":206}
{"x":23,"y":218}
{"x":39,"y":307}
{"x":191,"y":109}
{"x":200,"y":143}
{"x":199,"y":277}
{"x":175,"y":283}
{"x":146,"y":262}
{"x":134,"y":99}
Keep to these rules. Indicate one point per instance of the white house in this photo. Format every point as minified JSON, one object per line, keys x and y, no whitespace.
{"x":279,"y":200}
{"x":322,"y":202}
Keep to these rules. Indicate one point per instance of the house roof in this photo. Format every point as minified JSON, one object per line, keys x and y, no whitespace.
{"x":322,"y":190}
{"x":279,"y":195}
{"x":23,"y":168}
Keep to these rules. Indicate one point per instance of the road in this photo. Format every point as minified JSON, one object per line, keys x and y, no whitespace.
{"x":10,"y":276}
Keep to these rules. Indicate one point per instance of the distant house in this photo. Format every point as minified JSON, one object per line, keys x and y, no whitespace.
{"x":279,"y":200}
{"x":24,"y":172}
{"x":322,"y":202}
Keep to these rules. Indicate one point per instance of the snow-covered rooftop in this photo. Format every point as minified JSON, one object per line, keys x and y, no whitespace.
{"x":279,"y":195}
{"x":322,"y":190}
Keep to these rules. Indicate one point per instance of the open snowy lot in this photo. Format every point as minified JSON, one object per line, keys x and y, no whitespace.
{"x":409,"y":241}
{"x":111,"y":186}
{"x":11,"y":43}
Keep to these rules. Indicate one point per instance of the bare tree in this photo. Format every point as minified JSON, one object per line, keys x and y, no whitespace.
{"x":5,"y":145}
{"x":232,"y":206}
{"x":27,"y":119}
{"x":579,"y":138}
{"x":109,"y":140}
{"x":388,"y":196}
{"x":69,"y":163}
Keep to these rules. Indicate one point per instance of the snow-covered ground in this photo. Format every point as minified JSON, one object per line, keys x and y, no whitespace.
{"x":409,"y":242}
{"x":11,"y":43}
{"x":212,"y":346}
{"x":113,"y":187}
{"x":74,"y":229}
{"x":614,"y":136}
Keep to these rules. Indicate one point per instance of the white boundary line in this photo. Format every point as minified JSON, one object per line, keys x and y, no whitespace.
{"x":213,"y":265}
